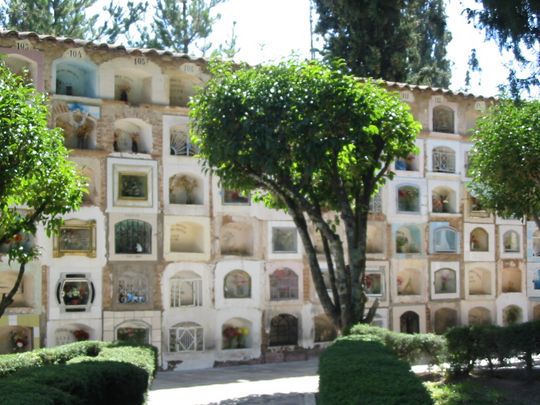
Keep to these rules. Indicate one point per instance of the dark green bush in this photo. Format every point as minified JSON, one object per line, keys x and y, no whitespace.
{"x":358,"y":369}
{"x":469,"y":344}
{"x":411,"y":348}
{"x":106,"y":382}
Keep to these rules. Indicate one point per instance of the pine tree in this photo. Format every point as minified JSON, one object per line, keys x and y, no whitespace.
{"x":178,"y":24}
{"x":396,"y":40}
{"x":70,"y":18}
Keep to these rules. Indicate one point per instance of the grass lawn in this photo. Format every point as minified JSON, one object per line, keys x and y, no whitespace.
{"x":506,"y":387}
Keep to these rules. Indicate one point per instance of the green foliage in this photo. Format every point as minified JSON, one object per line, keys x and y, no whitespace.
{"x":469,"y":344}
{"x":402,"y":41}
{"x":306,"y":137}
{"x":411,"y":348}
{"x":71,"y":18}
{"x":505,"y":159}
{"x":178,"y":24}
{"x":358,"y":371}
{"x":105,"y":382}
{"x":514,"y":25}
{"x":463,"y":392}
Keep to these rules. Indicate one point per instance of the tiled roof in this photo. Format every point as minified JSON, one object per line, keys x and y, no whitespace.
{"x":96,"y":45}
{"x":158,"y":52}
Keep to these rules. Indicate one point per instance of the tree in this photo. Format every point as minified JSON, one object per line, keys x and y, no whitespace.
{"x":179,"y":23}
{"x":514,"y":25}
{"x":314,"y":141}
{"x":34,"y":173}
{"x":70,"y":18}
{"x":506,"y":158}
{"x":396,"y":40}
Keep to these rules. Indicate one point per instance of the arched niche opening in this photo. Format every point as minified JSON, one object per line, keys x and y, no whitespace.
{"x":511,"y":242}
{"x":445,"y":318}
{"x":408,"y":239}
{"x":236,"y":238}
{"x":443,"y":119}
{"x":283,"y":285}
{"x":133,"y":236}
{"x":133,"y":332}
{"x":186,"y":189}
{"x":479,"y":281}
{"x":75,"y":78}
{"x":187,"y":237}
{"x":375,"y":239}
{"x":79,"y":129}
{"x":479,"y":316}
{"x":132,"y":135}
{"x":236,"y":333}
{"x":133,"y":86}
{"x":512,"y":314}
{"x":443,"y":200}
{"x":445,"y":240}
{"x":237,"y":284}
{"x":408,"y":282}
{"x":22,"y":66}
{"x":443,"y":160}
{"x":186,"y":290}
{"x":182,"y":87}
{"x":408,"y":199}
{"x":479,"y":240}
{"x":409,"y":322}
{"x":283,"y":330}
{"x":511,"y":280}
{"x":445,"y":281}
{"x":180,"y":141}
{"x":325,"y":331}
{"x":186,"y":337}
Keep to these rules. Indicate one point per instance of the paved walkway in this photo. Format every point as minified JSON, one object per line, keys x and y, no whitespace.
{"x":289,"y":383}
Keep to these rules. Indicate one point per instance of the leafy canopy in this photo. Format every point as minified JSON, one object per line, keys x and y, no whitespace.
{"x":34,"y":170}
{"x":396,"y":40}
{"x":309,"y":138}
{"x":506,"y":159}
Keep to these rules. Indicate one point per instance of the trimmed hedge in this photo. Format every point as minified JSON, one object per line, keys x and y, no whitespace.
{"x":107,"y":383}
{"x":496,"y":344}
{"x":82,"y":373}
{"x":411,"y":348}
{"x":357,"y":370}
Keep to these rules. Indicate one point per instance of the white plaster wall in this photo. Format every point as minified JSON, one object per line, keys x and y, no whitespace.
{"x":392,"y":213}
{"x":169,"y":221}
{"x":297,"y":267}
{"x":384,"y":299}
{"x":466,"y":306}
{"x":418,"y":264}
{"x":455,"y":146}
{"x":437,"y":100}
{"x":454,"y":185}
{"x":277,"y":255}
{"x":252,"y":315}
{"x":419,"y":161}
{"x":505,"y":300}
{"x":192,"y":167}
{"x":93,"y":326}
{"x":484,"y":265}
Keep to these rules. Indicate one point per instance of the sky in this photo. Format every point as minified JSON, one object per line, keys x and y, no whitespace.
{"x":272,"y":29}
{"x":269,"y":30}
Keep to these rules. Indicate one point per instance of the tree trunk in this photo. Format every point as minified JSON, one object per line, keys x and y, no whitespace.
{"x":7,"y":299}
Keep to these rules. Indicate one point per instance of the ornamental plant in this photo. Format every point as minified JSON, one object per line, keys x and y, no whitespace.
{"x":308,"y":138}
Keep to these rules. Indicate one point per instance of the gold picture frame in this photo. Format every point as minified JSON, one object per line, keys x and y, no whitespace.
{"x":133,"y":186}
{"x":75,"y":238}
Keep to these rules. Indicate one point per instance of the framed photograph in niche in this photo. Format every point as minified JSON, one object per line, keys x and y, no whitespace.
{"x":373,"y":283}
{"x":284,"y":240}
{"x":75,"y":238}
{"x":75,"y":292}
{"x":133,"y":186}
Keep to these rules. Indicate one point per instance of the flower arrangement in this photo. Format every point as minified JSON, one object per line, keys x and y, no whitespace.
{"x":81,"y":334}
{"x":19,"y":341}
{"x":234,"y":337}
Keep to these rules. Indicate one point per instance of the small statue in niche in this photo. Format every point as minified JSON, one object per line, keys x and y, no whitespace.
{"x":135,"y":142}
{"x":84,"y":125}
{"x":186,"y":184}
